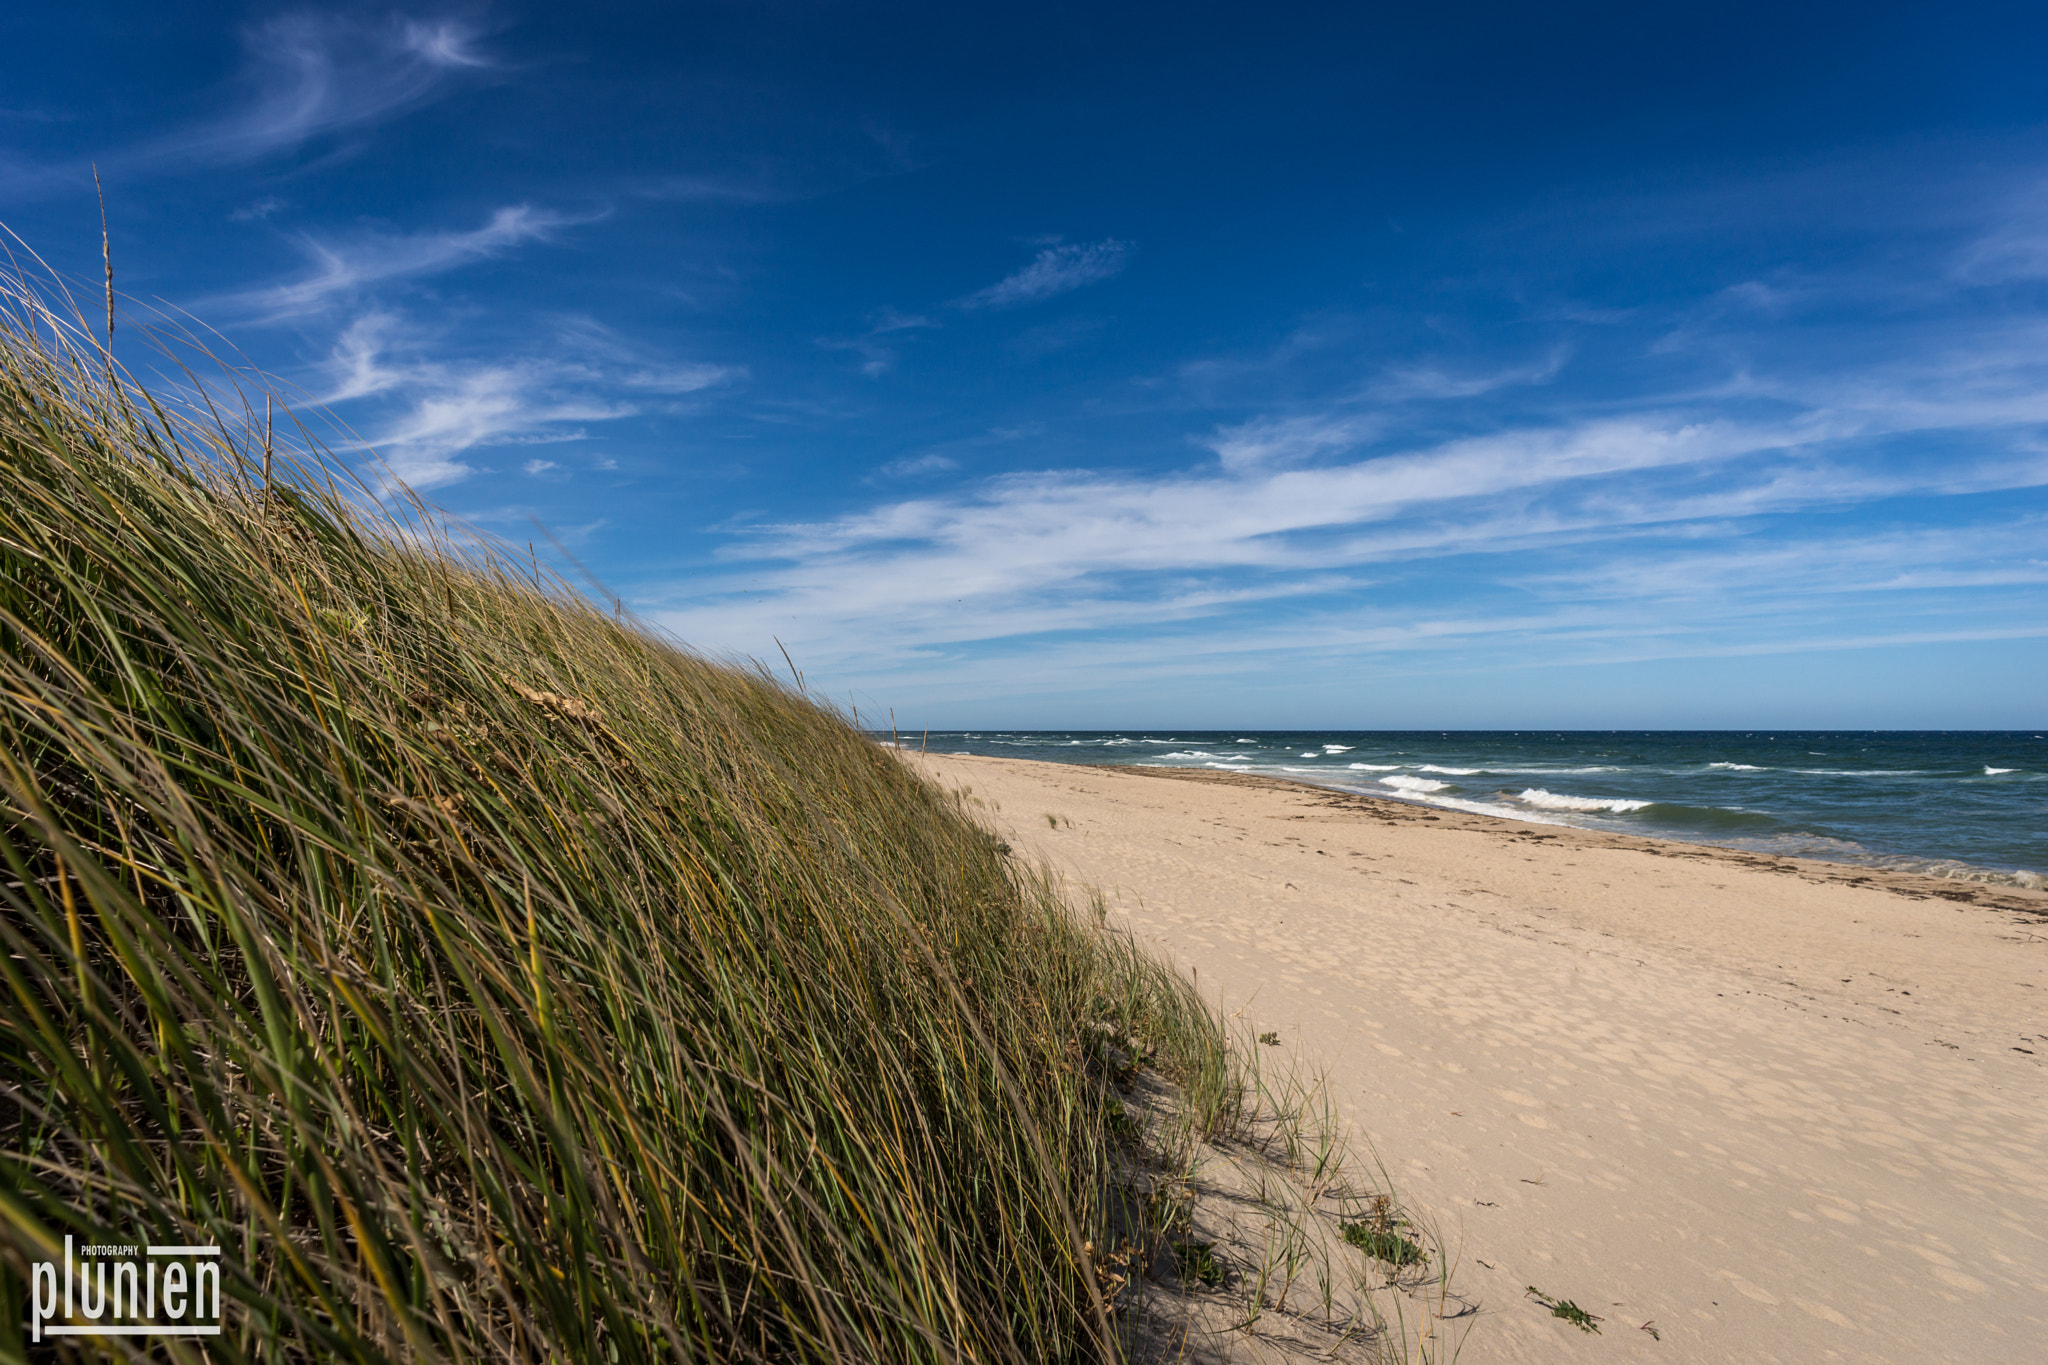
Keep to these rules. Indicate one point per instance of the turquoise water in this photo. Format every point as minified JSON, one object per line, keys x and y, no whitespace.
{"x":1968,"y":804}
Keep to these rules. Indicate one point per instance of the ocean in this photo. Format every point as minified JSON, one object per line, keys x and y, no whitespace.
{"x":1970,"y":804}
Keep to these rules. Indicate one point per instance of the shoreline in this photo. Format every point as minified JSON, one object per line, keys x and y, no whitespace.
{"x":1914,"y":885}
{"x":1957,"y":806}
{"x":1779,"y":1109}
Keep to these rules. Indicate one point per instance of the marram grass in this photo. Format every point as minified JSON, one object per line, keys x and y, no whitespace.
{"x":488,"y":978}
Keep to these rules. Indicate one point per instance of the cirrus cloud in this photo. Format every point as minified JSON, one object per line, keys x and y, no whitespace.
{"x":341,"y":268}
{"x":1055,"y":270}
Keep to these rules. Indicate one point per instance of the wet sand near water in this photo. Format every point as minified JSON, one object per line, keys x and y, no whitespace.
{"x":1782,"y":1110}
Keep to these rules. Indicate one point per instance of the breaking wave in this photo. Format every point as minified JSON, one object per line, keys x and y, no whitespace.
{"x":1543,"y":800}
{"x":1415,"y":784}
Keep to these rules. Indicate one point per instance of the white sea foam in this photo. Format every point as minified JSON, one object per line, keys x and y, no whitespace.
{"x":1440,"y":802}
{"x":1993,"y":772}
{"x":1414,"y":784}
{"x":1739,"y":767}
{"x":1454,"y":772}
{"x":1193,"y":753}
{"x":1310,"y":754}
{"x":1375,"y":767}
{"x":1849,"y":851}
{"x":1336,"y":748}
{"x":1247,"y":741}
{"x":1544,"y":800}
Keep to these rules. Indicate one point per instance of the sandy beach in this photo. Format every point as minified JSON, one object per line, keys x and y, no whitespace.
{"x":1781,"y":1110}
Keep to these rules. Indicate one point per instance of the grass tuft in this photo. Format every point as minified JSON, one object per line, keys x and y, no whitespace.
{"x":489,"y":978}
{"x":1575,"y":1315}
{"x":1384,"y":1245}
{"x":1198,"y":1263}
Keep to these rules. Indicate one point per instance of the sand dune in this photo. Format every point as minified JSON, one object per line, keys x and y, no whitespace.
{"x":1784,"y":1110}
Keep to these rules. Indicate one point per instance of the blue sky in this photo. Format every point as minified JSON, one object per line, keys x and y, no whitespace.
{"x":1367,"y":366}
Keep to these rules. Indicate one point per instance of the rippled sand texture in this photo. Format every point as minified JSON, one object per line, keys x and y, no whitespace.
{"x":1784,"y":1111}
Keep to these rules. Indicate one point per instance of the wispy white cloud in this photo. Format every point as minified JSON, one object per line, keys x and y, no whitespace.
{"x":1053,"y":271}
{"x":305,"y":74}
{"x":613,"y":359}
{"x":684,"y":378}
{"x":1757,"y":485}
{"x":1814,"y":564}
{"x":425,"y":415}
{"x":1290,"y":509}
{"x":1056,"y":527}
{"x":913,"y":465}
{"x":757,"y":188}
{"x":343,"y":268}
{"x":1078,"y":551}
{"x":874,"y":347}
{"x":432,"y":412}
{"x":2013,"y":254}
{"x":2014,"y":246}
{"x":1278,"y":442}
{"x":314,"y":72}
{"x":1436,"y":382}
{"x":452,"y":411}
{"x":548,"y":438}
{"x":951,"y":455}
{"x":357,"y":367}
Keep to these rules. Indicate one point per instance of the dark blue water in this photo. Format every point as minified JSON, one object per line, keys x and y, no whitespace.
{"x":1968,"y":804}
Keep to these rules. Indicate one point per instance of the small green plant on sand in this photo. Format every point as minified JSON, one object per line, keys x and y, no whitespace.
{"x":1270,"y":1039}
{"x":1198,"y":1263}
{"x":1118,"y":1123}
{"x":1569,"y":1311}
{"x":1383,"y":1244}
{"x":1378,"y":1235}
